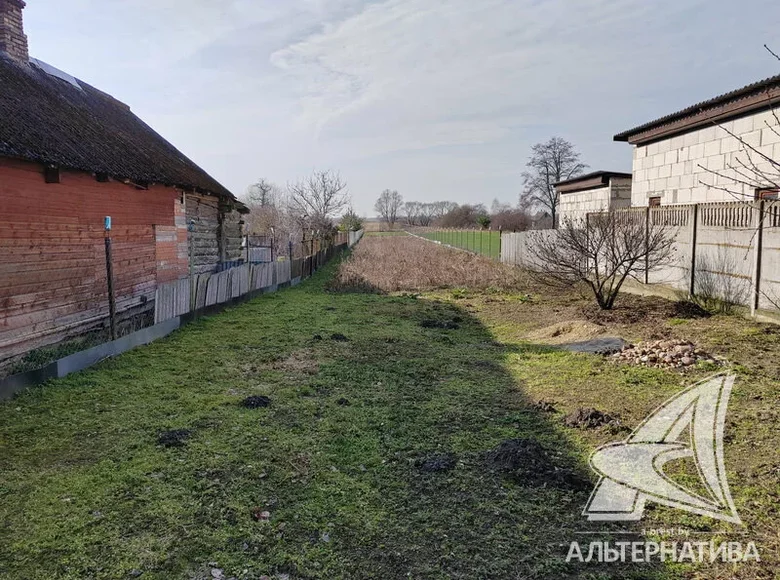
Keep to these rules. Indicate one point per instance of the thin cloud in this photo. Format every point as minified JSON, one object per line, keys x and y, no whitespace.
{"x":439,"y":99}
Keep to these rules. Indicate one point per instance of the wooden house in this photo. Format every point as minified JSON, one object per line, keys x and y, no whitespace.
{"x":70,"y":155}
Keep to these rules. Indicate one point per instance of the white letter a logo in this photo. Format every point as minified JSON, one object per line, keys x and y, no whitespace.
{"x":632,"y":472}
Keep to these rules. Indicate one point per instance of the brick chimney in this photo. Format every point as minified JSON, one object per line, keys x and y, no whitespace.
{"x":13,"y":40}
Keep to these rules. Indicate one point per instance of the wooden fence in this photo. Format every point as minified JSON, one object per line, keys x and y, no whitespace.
{"x":204,"y":290}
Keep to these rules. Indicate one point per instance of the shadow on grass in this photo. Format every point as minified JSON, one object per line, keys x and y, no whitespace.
{"x":404,"y":449}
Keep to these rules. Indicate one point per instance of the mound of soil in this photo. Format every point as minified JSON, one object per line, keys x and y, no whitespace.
{"x":569,"y":331}
{"x":527,"y":463}
{"x":589,"y":418}
{"x":437,"y":462}
{"x":544,"y":406}
{"x":440,"y":324}
{"x":174,"y":438}
{"x":686,"y":309}
{"x":256,"y":402}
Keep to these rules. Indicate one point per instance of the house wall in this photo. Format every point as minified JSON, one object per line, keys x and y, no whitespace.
{"x":576,"y":205}
{"x":52,"y":252}
{"x":203,"y":215}
{"x":233,"y":233}
{"x":217,"y":232}
{"x":679,"y":169}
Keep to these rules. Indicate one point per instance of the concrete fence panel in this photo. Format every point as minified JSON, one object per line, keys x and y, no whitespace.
{"x":726,"y":251}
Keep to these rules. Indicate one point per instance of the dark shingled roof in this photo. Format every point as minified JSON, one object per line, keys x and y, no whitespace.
{"x":47,"y":119}
{"x":752,"y":90}
{"x":604,"y":175}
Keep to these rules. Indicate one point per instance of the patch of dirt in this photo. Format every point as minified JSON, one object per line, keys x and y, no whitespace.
{"x":301,"y":361}
{"x":256,"y":402}
{"x":488,"y":365}
{"x":632,"y":309}
{"x":589,"y":418}
{"x":686,"y":309}
{"x":567,"y":332}
{"x":437,"y":462}
{"x":527,"y":463}
{"x":440,"y":324}
{"x":174,"y":438}
{"x":544,"y":406}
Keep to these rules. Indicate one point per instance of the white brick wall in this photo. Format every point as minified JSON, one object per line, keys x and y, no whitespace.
{"x":574,"y":206}
{"x":680,"y":169}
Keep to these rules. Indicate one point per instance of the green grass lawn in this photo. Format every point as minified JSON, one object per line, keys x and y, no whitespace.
{"x":370,"y":461}
{"x":483,"y":242}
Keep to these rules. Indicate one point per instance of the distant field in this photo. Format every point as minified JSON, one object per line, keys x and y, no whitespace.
{"x":393,"y":233}
{"x":487,"y":243}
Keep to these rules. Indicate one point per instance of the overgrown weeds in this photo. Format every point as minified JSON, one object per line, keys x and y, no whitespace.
{"x":394,"y":264}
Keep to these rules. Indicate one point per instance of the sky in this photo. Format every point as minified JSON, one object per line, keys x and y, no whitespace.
{"x":438,"y":99}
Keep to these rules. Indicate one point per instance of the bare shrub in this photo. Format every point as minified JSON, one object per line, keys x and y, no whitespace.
{"x":600,"y":252}
{"x":401,"y":263}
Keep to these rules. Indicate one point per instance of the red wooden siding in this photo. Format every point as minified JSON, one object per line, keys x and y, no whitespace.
{"x":52,"y":257}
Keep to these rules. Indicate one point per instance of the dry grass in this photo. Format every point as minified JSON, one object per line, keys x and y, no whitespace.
{"x":393,"y":264}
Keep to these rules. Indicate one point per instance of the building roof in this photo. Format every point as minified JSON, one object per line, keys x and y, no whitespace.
{"x":592,"y":180}
{"x":49,"y":117}
{"x":752,"y":98}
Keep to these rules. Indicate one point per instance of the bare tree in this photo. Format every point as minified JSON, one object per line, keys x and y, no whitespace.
{"x":409,"y":213}
{"x":601,"y":252}
{"x":265,"y":200}
{"x":388,"y":205}
{"x":416,"y":213}
{"x":441,"y":208}
{"x":550,"y":163}
{"x":316,"y":200}
{"x":263,"y":193}
{"x":428,"y":213}
{"x":462,"y":216}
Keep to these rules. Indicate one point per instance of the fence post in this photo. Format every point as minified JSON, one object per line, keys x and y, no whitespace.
{"x":500,"y":244}
{"x":758,"y":219}
{"x":110,"y":279}
{"x":694,"y":228}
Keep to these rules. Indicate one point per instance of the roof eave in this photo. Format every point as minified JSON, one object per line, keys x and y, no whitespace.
{"x":718,"y":110}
